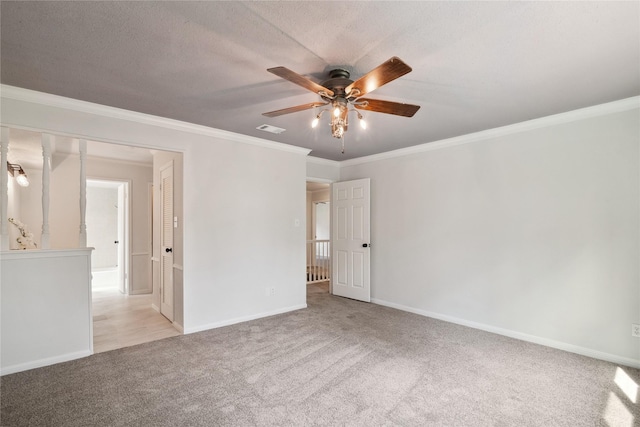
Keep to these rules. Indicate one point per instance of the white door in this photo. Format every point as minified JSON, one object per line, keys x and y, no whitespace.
{"x":166,"y":241}
{"x":350,"y":239}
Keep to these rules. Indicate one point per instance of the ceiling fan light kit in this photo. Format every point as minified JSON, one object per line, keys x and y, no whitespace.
{"x":345,"y":95}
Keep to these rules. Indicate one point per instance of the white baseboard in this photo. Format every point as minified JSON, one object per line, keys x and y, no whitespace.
{"x":243,"y":319}
{"x":178,"y":326}
{"x":155,"y":307}
{"x":141,"y":292}
{"x":583,"y":351}
{"x":44,"y":362}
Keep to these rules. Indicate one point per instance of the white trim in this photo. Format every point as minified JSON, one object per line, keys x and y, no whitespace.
{"x":45,"y":362}
{"x":178,"y":267}
{"x":548,"y":121}
{"x":155,"y":259}
{"x":26,"y":95}
{"x":45,"y":253}
{"x":634,"y":363}
{"x":118,"y":161}
{"x":124,"y":162}
{"x":243,"y":319}
{"x":322,"y":190}
{"x":155,"y":307}
{"x":178,"y":326}
{"x":140,"y":254}
{"x":319,"y":181}
{"x":150,"y":234}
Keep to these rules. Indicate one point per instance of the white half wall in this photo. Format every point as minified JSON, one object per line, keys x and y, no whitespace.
{"x":533,"y":234}
{"x":46,"y":308}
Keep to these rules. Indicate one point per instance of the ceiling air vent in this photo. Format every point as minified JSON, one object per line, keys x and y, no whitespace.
{"x":269,"y":128}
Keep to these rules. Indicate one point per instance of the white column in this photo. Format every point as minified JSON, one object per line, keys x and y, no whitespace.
{"x":4,"y":188}
{"x":82,"y":148}
{"x":46,"y":172}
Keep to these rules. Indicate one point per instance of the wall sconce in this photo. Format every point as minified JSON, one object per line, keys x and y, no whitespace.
{"x":18,"y":173}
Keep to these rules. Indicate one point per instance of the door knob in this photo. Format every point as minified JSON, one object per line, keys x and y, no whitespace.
{"x":366,"y":245}
{"x":168,"y":250}
{"x":116,"y":242}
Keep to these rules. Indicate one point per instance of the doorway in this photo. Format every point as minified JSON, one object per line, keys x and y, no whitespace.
{"x":107,"y":232}
{"x":318,"y":250}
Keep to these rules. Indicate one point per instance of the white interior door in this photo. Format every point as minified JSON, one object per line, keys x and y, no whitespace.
{"x":166,"y":241}
{"x":350,"y":239}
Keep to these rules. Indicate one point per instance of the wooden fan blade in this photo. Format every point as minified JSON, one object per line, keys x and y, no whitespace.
{"x":381,"y":75}
{"x":277,"y":113}
{"x":387,"y":107}
{"x":296,"y":78}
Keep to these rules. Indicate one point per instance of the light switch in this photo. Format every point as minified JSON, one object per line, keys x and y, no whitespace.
{"x":175,"y":222}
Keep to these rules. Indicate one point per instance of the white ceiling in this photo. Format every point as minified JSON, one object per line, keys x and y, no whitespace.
{"x":476,"y":65}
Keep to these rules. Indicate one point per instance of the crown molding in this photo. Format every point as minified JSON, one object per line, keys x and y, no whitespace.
{"x":548,"y":121}
{"x":35,"y":97}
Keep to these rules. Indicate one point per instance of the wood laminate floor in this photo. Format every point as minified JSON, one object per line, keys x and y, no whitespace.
{"x":125,"y":320}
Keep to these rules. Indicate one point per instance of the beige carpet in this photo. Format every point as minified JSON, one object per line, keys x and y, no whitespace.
{"x":339,"y":362}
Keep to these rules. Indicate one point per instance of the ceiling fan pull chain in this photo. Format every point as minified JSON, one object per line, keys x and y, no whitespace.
{"x":342,"y":139}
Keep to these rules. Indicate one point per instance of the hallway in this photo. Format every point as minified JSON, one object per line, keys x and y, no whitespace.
{"x":125,"y":320}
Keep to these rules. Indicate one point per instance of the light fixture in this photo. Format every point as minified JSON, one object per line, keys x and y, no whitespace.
{"x":18,"y":173}
{"x":340,"y":116}
{"x":363,"y":122}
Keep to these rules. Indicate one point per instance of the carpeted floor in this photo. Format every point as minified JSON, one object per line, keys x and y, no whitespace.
{"x":338,"y":362}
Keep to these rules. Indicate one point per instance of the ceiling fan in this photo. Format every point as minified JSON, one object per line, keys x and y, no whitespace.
{"x":342,"y":93}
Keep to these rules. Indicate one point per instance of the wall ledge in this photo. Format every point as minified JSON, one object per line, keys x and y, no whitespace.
{"x":43,"y":253}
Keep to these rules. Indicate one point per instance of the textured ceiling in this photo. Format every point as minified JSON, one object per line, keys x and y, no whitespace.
{"x":476,"y":65}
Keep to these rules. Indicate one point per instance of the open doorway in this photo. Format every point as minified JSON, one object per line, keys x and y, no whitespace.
{"x":107,"y":232}
{"x":318,"y":252}
{"x":121,"y":207}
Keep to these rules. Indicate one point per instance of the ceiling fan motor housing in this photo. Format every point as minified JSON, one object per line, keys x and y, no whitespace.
{"x":337,"y":82}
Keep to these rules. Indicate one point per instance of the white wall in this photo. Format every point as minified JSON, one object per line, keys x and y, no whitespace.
{"x":241,"y":211}
{"x":533,"y":234}
{"x":322,"y":170}
{"x":241,"y":197}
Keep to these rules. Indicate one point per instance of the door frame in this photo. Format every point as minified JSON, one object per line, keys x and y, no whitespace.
{"x":167,"y":166}
{"x":124,"y":257}
{"x":312,"y":219}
